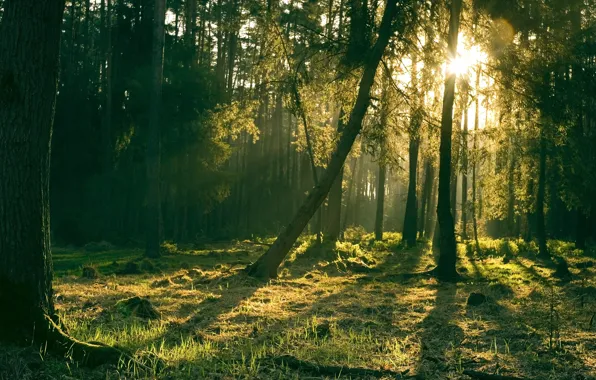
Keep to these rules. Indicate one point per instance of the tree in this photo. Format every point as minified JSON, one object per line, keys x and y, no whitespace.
{"x":266,"y":266}
{"x":29,"y":51}
{"x":448,"y":251}
{"x":153,"y":217}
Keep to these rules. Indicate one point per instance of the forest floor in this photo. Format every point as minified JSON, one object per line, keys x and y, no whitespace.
{"x":350,"y":305}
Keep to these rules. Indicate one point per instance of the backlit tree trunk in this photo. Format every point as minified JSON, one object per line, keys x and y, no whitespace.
{"x":266,"y":266}
{"x":447,"y":245}
{"x":153,"y":216}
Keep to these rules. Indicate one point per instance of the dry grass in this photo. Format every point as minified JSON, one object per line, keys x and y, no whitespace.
{"x":343,"y":305}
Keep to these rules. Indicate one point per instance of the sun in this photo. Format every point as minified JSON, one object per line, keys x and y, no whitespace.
{"x":465,"y":60}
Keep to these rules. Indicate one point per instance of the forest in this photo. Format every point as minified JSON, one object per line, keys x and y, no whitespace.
{"x":298,"y":189}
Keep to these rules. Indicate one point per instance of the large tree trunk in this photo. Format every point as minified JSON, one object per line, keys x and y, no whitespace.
{"x":266,"y":266}
{"x":153,"y":216}
{"x":448,"y":250}
{"x":29,"y":51}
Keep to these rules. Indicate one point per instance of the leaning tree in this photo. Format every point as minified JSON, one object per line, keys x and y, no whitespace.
{"x":29,"y":51}
{"x":266,"y":266}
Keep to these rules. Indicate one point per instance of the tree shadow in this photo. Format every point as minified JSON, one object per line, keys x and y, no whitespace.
{"x":438,"y":333}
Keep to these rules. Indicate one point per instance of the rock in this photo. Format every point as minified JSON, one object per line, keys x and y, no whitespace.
{"x":140,"y":307}
{"x":476,"y":299}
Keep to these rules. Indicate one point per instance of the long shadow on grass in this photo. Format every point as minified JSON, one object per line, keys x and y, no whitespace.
{"x":438,"y":333}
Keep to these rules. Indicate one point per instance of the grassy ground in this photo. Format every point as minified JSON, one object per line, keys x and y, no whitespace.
{"x":348,"y":304}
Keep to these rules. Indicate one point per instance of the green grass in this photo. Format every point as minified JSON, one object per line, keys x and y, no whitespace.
{"x":343,"y":304}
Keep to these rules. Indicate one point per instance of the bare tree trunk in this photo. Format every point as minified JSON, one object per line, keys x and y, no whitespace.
{"x":448,"y":250}
{"x":426,"y":197}
{"x":540,"y":222}
{"x":380,"y":195}
{"x":464,"y":178}
{"x":29,"y":51}
{"x":354,"y":170}
{"x":475,"y":160}
{"x":153,"y":216}
{"x":335,"y":195}
{"x":411,"y":215}
{"x":266,"y":266}
{"x":29,"y":48}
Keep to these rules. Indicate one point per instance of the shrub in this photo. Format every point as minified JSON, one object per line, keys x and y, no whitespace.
{"x":354,"y":233}
{"x":168,"y":248}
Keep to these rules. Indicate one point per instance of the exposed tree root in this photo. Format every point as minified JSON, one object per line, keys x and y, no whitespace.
{"x":487,"y":376}
{"x":334,"y":371}
{"x":88,"y":354}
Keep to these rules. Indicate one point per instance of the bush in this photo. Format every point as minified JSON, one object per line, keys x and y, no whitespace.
{"x":98,"y":246}
{"x":354,"y":233}
{"x":168,"y":248}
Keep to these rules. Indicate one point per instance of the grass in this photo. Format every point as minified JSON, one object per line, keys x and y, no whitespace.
{"x":343,"y":304}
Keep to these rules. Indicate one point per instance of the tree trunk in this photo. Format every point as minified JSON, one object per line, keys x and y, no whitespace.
{"x":355,"y":169}
{"x":152,"y":230}
{"x":448,"y":250}
{"x":540,"y":222}
{"x":464,"y":176}
{"x":29,"y":51}
{"x":411,"y":216}
{"x":581,"y":229}
{"x":380,"y":196}
{"x":335,"y":196}
{"x":266,"y":266}
{"x":426,"y":196}
{"x":475,"y":159}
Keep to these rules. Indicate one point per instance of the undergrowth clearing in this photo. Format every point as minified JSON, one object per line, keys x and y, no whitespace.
{"x":349,"y":305}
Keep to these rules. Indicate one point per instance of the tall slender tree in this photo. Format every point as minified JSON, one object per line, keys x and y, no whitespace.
{"x":448,"y":251}
{"x":153,"y":217}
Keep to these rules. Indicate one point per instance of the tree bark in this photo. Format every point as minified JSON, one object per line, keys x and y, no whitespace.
{"x":540,"y":220}
{"x":29,"y":52}
{"x":335,"y":196}
{"x":411,"y":215}
{"x":475,"y":159}
{"x":426,"y":196}
{"x":380,"y":195}
{"x":464,"y":176}
{"x":448,"y":251}
{"x":153,"y":215}
{"x":266,"y":266}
